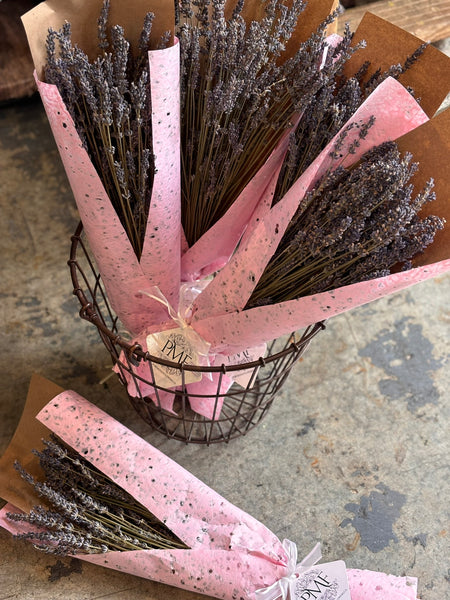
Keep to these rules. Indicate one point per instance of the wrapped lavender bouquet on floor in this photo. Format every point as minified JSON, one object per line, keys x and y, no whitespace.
{"x":117,"y":501}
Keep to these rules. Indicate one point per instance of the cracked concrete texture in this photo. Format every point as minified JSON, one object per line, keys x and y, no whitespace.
{"x":353,"y":453}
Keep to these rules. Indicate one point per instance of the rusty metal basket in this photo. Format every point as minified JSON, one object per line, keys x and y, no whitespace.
{"x":242,"y":407}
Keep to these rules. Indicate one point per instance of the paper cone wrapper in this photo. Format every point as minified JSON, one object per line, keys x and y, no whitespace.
{"x":231,"y":554}
{"x":125,"y":278}
{"x":219,"y":316}
{"x":229,"y":549}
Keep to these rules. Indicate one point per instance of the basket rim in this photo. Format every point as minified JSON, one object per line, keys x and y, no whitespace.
{"x":135,"y":352}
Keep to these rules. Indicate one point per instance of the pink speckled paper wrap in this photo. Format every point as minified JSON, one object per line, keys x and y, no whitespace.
{"x":219,"y":316}
{"x":161,"y":253}
{"x":124,"y":277}
{"x":202,"y":395}
{"x":232,"y":332}
{"x":396,"y":113}
{"x":215,"y":247}
{"x":231,"y":554}
{"x":229,"y":550}
{"x":371,"y":585}
{"x":363,"y":584}
{"x":250,"y":222}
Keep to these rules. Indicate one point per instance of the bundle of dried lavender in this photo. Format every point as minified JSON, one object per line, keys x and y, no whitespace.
{"x":109,"y":102}
{"x":239,"y":94}
{"x":357,"y":224}
{"x":328,"y":111}
{"x":90,"y":512}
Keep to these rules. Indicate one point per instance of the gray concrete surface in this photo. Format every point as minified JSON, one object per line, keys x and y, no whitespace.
{"x":353,"y":453}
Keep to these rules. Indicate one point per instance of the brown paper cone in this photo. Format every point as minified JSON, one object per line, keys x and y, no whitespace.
{"x":83,"y":16}
{"x":388,"y":45}
{"x":430,"y":146}
{"x":28,"y":436}
{"x":313,"y":15}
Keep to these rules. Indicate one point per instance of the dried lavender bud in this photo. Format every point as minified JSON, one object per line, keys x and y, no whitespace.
{"x":102,"y":25}
{"x":144,"y":40}
{"x":90,"y":513}
{"x":356,"y":224}
{"x":394,"y":71}
{"x":110,"y":105}
{"x":414,"y":57}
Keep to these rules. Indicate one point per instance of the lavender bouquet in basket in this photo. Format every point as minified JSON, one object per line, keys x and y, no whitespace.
{"x":99,"y":492}
{"x":246,"y":178}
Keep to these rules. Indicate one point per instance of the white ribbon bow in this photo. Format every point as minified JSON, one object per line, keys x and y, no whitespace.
{"x":193,"y":346}
{"x":280,"y":589}
{"x":188,"y":294}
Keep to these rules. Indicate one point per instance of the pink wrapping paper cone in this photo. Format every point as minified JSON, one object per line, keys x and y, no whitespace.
{"x":124,"y":277}
{"x":233,"y":332}
{"x":396,"y":113}
{"x":370,"y":585}
{"x":161,"y":253}
{"x":231,"y":554}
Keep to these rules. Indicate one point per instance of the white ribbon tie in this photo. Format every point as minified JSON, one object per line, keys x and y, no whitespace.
{"x":280,"y":589}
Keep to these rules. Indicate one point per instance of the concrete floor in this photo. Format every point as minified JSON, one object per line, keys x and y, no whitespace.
{"x":353,"y":453}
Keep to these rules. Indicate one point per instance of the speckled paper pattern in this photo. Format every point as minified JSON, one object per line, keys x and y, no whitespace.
{"x":124,"y":277}
{"x":202,"y":394}
{"x":396,"y":113}
{"x":363,"y":584}
{"x":215,"y":247}
{"x":229,"y":548}
{"x":234,"y":332}
{"x":161,"y":252}
{"x":370,"y":585}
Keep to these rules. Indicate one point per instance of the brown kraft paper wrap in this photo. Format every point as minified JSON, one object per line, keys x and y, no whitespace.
{"x":386,"y":45}
{"x":28,"y":436}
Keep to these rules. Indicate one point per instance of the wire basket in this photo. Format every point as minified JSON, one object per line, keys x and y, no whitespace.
{"x":233,"y":412}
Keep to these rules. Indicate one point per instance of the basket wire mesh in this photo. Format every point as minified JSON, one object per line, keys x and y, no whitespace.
{"x":233,"y":412}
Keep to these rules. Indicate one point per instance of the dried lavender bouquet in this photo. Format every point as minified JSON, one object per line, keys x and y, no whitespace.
{"x":89,"y":512}
{"x":231,"y":555}
{"x":110,"y":105}
{"x":358,"y":223}
{"x":239,"y":91}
